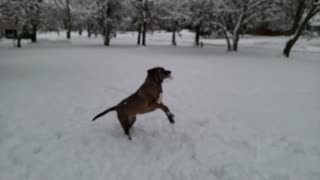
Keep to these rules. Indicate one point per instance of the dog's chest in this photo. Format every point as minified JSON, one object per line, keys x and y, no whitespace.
{"x":159,"y":101}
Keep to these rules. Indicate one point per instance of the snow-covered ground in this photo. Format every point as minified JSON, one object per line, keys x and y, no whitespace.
{"x":251,"y":115}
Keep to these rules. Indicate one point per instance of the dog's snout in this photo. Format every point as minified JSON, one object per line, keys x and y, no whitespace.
{"x":168,"y":72}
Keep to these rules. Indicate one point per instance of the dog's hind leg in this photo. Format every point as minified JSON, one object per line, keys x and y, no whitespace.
{"x":125,"y":123}
{"x":132,"y":120}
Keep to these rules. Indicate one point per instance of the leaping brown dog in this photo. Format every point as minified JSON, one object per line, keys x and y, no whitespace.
{"x":146,"y":99}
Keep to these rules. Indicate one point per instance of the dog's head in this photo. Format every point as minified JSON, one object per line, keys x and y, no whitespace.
{"x":159,"y":74}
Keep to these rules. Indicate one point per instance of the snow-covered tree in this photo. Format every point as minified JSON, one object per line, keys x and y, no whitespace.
{"x":200,"y":17}
{"x":238,"y":15}
{"x":52,"y":17}
{"x":68,"y":18}
{"x":174,"y":15}
{"x":67,"y":14}
{"x":305,"y":10}
{"x":108,"y":18}
{"x":15,"y":11}
{"x":84,"y":12}
{"x":34,"y":11}
{"x":145,"y":13}
{"x":294,"y":10}
{"x":314,"y":23}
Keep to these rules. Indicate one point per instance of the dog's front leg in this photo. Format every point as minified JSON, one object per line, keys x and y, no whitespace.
{"x":166,"y":110}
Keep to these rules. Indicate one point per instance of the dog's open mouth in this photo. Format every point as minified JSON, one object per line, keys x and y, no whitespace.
{"x":169,"y":76}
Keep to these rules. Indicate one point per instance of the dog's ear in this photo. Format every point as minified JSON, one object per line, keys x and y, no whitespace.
{"x":152,"y":72}
{"x":154,"y":75}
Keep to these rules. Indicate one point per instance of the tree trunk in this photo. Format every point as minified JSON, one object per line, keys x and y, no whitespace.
{"x":68,"y":21}
{"x":289,"y":46}
{"x":144,"y":33}
{"x":107,"y":36}
{"x":236,"y":38}
{"x":297,"y":18}
{"x":236,"y":32}
{"x":224,"y":29}
{"x":299,"y":30}
{"x":174,"y":42}
{"x":238,"y":27}
{"x":225,"y":33}
{"x":34,"y":33}
{"x":197,"y":37}
{"x":139,"y":35}
{"x":69,"y":34}
{"x":80,"y":32}
{"x":89,"y":30}
{"x":106,"y":40}
{"x":19,"y":41}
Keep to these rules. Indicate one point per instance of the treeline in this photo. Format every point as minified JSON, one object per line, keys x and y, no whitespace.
{"x":229,"y":18}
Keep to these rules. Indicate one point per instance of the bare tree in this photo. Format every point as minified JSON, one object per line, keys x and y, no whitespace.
{"x":145,"y":14}
{"x":200,"y":14}
{"x":34,"y":14}
{"x":140,"y":19}
{"x":68,"y":19}
{"x":84,"y":15}
{"x":14,"y":11}
{"x":108,"y":17}
{"x":298,"y":7}
{"x":174,"y":16}
{"x":305,"y":11}
{"x":237,"y":15}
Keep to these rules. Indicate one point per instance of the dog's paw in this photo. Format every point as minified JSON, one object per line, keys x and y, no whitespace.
{"x":171,"y":118}
{"x":129,"y":137}
{"x":172,"y":121}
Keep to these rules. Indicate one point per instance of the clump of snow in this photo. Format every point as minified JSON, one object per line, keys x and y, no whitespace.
{"x":251,"y":115}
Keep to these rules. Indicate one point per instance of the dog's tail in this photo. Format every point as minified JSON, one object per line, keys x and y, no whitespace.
{"x":104,"y":112}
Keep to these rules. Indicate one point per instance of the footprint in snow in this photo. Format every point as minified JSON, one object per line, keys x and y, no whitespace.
{"x":279,"y":176}
{"x":291,"y":146}
{"x":58,"y":135}
{"x":85,"y":141}
{"x":37,"y":150}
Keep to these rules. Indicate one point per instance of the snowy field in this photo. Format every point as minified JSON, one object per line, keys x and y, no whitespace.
{"x":251,"y":115}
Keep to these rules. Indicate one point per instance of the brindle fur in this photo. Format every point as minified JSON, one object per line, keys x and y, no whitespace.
{"x":144,"y":100}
